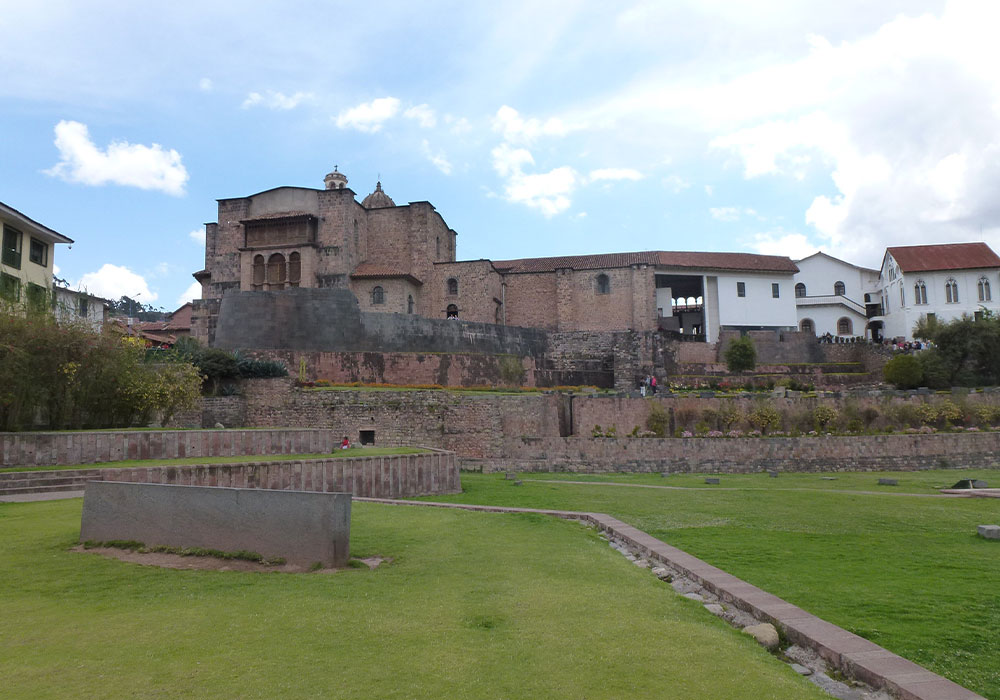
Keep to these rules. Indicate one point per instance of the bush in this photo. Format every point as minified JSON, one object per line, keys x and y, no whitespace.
{"x":903,"y":372}
{"x":825,"y":417}
{"x":764,"y":417}
{"x":658,"y":421}
{"x":741,"y":355}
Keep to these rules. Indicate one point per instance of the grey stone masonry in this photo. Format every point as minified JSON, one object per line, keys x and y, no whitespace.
{"x":300,"y":527}
{"x":990,"y":532}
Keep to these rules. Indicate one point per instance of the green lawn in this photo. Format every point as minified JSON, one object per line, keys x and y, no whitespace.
{"x":473,"y":606}
{"x":906,"y":571}
{"x":187,"y":461}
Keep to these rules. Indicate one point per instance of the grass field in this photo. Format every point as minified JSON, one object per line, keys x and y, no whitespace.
{"x":473,"y":606}
{"x":186,"y":461}
{"x":905,"y":571}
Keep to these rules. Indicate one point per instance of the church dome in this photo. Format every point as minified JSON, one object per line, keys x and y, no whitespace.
{"x":377,"y":199}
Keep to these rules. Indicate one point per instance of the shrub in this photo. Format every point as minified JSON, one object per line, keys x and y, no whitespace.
{"x":825,"y":417}
{"x":949,"y":412}
{"x":512,"y":371}
{"x":903,"y":372}
{"x":658,"y":420}
{"x":741,"y":355}
{"x":764,"y":417}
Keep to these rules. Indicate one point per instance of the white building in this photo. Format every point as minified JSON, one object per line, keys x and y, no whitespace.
{"x":936,"y":281}
{"x":79,"y":307}
{"x":830,"y":296}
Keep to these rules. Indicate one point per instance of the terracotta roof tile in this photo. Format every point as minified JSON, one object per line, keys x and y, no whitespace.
{"x":661,"y":258}
{"x":377,"y":271}
{"x":947,"y":256}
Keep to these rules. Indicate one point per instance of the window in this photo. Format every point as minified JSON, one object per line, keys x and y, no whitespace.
{"x":83,"y":307}
{"x":839,"y":289}
{"x":951,"y":291}
{"x":807,"y":326}
{"x":451,"y":311}
{"x":11,"y":247}
{"x":844,"y":326}
{"x":919,"y":292}
{"x":603,"y":284}
{"x":276,"y":271}
{"x":10,"y":288}
{"x":984,"y":289}
{"x":294,"y":269}
{"x":902,"y":297}
{"x":452,"y":286}
{"x":775,"y":291}
{"x":366,"y":437}
{"x":258,"y":272}
{"x":741,"y":289}
{"x":409,"y":303}
{"x":378,"y":295}
{"x":800,"y":290}
{"x":38,"y":252}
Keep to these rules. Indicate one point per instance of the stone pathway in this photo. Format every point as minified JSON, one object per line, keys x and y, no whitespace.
{"x":51,"y":496}
{"x":952,"y":494}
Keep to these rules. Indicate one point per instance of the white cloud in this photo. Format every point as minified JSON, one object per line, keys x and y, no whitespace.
{"x":114,"y":282}
{"x":516,"y":129}
{"x":276,"y":100}
{"x":368,"y":116}
{"x":461,"y":126}
{"x":55,"y":269}
{"x":548,"y":192}
{"x":205,"y":85}
{"x":190,"y":294}
{"x":197,"y":235}
{"x":614,"y":174}
{"x":423,"y":115}
{"x":134,"y":165}
{"x":792,"y":245}
{"x":730,"y":214}
{"x":437,"y":159}
{"x":675,"y":183}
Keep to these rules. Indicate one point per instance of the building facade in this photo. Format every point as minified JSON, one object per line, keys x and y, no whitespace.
{"x":26,"y":258}
{"x":832,"y":296}
{"x":402,"y":259}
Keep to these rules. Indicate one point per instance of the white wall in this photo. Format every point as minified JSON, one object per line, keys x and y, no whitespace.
{"x":820,"y":273}
{"x":901,"y":318}
{"x":758,"y":307}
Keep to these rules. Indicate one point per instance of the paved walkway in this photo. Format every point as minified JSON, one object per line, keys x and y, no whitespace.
{"x":51,"y":496}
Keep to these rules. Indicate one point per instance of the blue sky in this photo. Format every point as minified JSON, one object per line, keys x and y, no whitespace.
{"x":535,"y":128}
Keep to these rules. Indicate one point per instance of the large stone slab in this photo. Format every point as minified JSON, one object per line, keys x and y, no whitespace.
{"x":302,"y":527}
{"x":990,"y":532}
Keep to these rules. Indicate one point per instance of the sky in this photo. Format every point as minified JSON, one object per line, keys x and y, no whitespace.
{"x":536,"y":129}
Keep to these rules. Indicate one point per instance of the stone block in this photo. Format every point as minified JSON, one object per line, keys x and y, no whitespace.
{"x":990,"y":532}
{"x":301,"y":527}
{"x":888,"y":482}
{"x":711,"y":480}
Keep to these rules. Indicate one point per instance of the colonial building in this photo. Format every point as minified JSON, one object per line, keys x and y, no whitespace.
{"x":935,"y":281}
{"x":832,"y":296}
{"x":26,"y":257}
{"x":402,"y":259}
{"x":71,"y":306}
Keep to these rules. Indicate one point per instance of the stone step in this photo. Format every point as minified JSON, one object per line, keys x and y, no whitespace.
{"x":14,"y":476}
{"x":41,"y":489}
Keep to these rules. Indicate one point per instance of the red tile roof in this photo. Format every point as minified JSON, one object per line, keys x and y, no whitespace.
{"x":947,"y":256}
{"x":377,"y":271}
{"x":710,"y":261}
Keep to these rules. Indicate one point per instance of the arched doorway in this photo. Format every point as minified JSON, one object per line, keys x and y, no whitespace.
{"x":806,"y":325}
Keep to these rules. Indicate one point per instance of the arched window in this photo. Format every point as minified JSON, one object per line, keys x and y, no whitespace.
{"x":919,"y":292}
{"x":452,"y":286}
{"x":276,"y":271}
{"x":378,"y":295}
{"x":984,"y":289}
{"x":294,"y":269}
{"x":839,"y":289}
{"x":409,"y":303}
{"x":451,"y":311}
{"x":844,"y":326}
{"x":951,"y":291}
{"x":259,"y":272}
{"x":807,"y":326}
{"x":603,"y":284}
{"x":800,"y":290}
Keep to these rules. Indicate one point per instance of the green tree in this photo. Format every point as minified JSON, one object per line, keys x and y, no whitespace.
{"x":741,"y":355}
{"x":903,"y":372}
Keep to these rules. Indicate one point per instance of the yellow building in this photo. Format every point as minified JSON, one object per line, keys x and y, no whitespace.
{"x":26,"y":257}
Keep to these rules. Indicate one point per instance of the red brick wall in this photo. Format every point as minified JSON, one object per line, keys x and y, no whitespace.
{"x":531,"y":300}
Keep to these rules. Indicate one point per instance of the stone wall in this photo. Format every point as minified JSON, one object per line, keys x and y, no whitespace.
{"x":744,"y":455}
{"x":56,"y":448}
{"x":378,"y":476}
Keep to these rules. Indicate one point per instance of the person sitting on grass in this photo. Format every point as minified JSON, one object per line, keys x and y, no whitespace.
{"x":346,"y":444}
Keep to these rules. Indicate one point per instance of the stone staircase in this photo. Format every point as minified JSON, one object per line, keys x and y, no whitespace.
{"x":13,"y":483}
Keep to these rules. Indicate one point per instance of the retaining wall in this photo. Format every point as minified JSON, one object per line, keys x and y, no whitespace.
{"x":742,"y":455}
{"x":378,"y":476}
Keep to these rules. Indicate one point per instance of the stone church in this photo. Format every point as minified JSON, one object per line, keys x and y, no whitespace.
{"x":401,"y":259}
